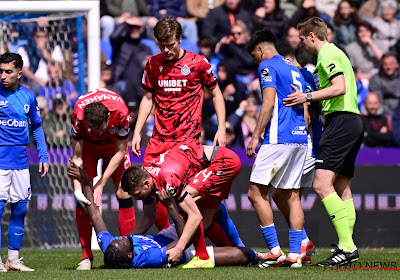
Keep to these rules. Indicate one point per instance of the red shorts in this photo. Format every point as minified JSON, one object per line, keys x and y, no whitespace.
{"x":214,"y":183}
{"x":92,"y":153}
{"x":155,"y":148}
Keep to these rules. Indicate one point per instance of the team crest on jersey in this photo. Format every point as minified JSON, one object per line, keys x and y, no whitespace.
{"x":185,"y":70}
{"x":113,"y":130}
{"x":161,"y":68}
{"x":26,"y":108}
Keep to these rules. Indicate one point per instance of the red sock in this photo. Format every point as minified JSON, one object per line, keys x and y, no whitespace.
{"x":217,"y":235}
{"x":162,"y":221}
{"x":200,"y":243}
{"x":85,"y":232}
{"x":126,"y":216}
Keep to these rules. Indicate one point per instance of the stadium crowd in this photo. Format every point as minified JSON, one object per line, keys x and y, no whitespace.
{"x":367,"y":31}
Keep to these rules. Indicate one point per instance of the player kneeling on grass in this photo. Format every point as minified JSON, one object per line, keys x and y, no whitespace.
{"x":147,"y":251}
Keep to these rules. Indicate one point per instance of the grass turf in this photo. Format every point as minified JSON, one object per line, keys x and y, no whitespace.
{"x":61,"y":264}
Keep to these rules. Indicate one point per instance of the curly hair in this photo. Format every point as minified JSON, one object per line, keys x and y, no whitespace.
{"x":132,"y":178}
{"x":95,"y":114}
{"x":115,"y":259}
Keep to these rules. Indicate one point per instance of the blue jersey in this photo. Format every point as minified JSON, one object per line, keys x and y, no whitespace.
{"x":286,"y":124}
{"x":18,"y":109}
{"x":315,"y":130}
{"x":149,"y":251}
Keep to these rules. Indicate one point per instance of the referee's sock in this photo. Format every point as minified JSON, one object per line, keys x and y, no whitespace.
{"x":351,"y":213}
{"x":337,"y":212}
{"x":229,"y":227}
{"x":126,"y":216}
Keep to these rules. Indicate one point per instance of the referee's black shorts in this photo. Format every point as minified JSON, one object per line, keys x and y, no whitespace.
{"x":340,"y":142}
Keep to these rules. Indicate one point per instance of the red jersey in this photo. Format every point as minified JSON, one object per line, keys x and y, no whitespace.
{"x":177,"y":88}
{"x":118,"y":124}
{"x":173,"y":169}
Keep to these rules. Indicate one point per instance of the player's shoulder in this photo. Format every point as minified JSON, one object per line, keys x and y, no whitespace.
{"x":156,"y":59}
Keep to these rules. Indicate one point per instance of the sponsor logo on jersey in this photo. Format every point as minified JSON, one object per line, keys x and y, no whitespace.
{"x":113,"y":130}
{"x":170,"y":189}
{"x":26,"y":108}
{"x":185,"y":70}
{"x":3,"y":104}
{"x":172,"y":85}
{"x":299,"y":130}
{"x":13,"y":123}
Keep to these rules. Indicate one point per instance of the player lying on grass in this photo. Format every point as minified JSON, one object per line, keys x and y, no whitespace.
{"x":199,"y":178}
{"x":146,"y":251}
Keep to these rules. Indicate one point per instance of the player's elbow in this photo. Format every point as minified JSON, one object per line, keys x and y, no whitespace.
{"x":340,"y":89}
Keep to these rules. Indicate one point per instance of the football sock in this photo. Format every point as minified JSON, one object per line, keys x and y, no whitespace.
{"x":229,"y":227}
{"x":2,"y":204}
{"x":85,"y":232}
{"x":200,"y":243}
{"x":12,"y":255}
{"x":351,"y":213}
{"x":304,"y":239}
{"x":270,"y":237}
{"x":217,"y":235}
{"x":16,"y":226}
{"x":337,"y":212}
{"x":294,"y":243}
{"x":126,"y":216}
{"x":252,"y":255}
{"x":162,"y":221}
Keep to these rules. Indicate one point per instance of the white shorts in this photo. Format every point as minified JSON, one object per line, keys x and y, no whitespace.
{"x":170,"y":232}
{"x":15,"y":185}
{"x":279,"y":165}
{"x":308,"y":173}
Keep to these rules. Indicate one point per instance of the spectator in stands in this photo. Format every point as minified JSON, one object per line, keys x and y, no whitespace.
{"x":56,"y":124}
{"x":331,"y":33}
{"x":327,"y":8}
{"x":200,"y":8}
{"x":36,"y":59}
{"x":43,"y":106}
{"x":293,"y":39}
{"x":364,"y":53}
{"x":345,"y":23}
{"x":377,"y":126}
{"x":57,"y":85}
{"x":129,"y":53}
{"x":219,"y":21}
{"x":206,"y":48}
{"x":307,"y":9}
{"x":396,"y":126}
{"x":235,"y":55}
{"x":386,"y":83}
{"x":272,"y":17}
{"x":387,"y":26}
{"x":362,"y":91}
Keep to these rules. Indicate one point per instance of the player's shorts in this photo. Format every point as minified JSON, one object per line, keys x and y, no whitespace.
{"x":155,"y":148}
{"x":15,"y":185}
{"x":91,"y":155}
{"x":308,"y":173}
{"x":214,"y":183}
{"x":279,"y":165}
{"x":169,"y":234}
{"x":340,"y":142}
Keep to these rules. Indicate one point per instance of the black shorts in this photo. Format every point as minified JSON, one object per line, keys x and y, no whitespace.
{"x":340,"y":142}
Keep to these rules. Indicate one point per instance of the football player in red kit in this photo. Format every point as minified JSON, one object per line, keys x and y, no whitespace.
{"x":100,"y":130}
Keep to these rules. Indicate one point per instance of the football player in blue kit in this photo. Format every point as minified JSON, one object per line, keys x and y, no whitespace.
{"x":147,"y":251}
{"x":18,"y":112}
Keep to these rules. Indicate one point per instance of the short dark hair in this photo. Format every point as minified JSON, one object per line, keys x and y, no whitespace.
{"x":314,"y":24}
{"x":114,"y":258}
{"x":285,"y":49}
{"x":13,"y":58}
{"x":132,"y":178}
{"x":367,"y":25}
{"x":167,"y":27}
{"x":95,"y":115}
{"x":261,"y":36}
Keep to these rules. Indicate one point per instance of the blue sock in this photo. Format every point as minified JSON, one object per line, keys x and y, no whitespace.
{"x":229,"y":227}
{"x":305,"y":236}
{"x":2,"y":204}
{"x":270,"y":236}
{"x":16,"y":226}
{"x":252,"y":255}
{"x":295,"y":241}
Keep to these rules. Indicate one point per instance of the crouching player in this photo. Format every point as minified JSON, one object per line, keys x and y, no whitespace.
{"x":198,"y":195}
{"x":146,"y":251}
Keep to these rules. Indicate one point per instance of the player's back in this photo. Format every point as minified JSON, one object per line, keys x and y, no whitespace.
{"x":287,"y":124}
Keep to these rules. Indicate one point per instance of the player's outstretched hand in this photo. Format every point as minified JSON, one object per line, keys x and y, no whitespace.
{"x":220,"y":137}
{"x":251,"y":148}
{"x":44,"y":167}
{"x":136,"y":145}
{"x":98,"y":192}
{"x":78,"y":173}
{"x":174,"y":255}
{"x":295,"y":98}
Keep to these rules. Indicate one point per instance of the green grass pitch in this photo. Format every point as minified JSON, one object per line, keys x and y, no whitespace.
{"x":61,"y":264}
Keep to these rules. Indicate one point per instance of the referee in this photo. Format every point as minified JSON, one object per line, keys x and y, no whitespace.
{"x":342,"y":136}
